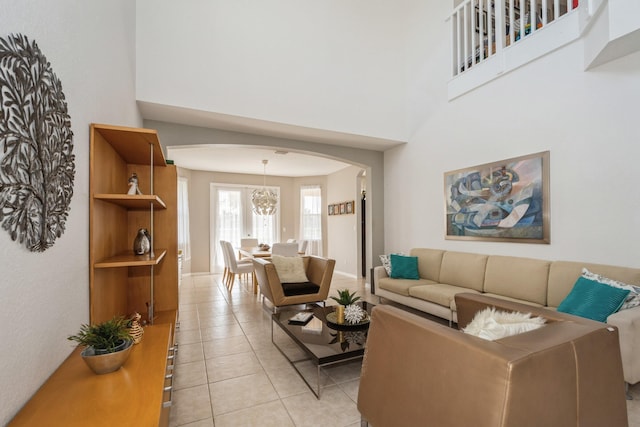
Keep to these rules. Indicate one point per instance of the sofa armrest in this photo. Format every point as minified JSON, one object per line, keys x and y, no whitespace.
{"x":320,"y":272}
{"x":268,"y":280}
{"x":628,"y":324}
{"x":378,"y":273}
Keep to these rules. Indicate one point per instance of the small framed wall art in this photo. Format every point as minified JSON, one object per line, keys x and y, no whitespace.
{"x":341,"y":208}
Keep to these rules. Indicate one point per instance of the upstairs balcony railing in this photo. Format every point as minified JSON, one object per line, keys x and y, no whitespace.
{"x":483,"y":28}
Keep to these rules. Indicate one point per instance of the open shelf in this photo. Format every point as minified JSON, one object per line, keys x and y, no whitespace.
{"x":128,"y":259}
{"x":132,"y":202}
{"x":120,"y":282}
{"x":132,"y":144}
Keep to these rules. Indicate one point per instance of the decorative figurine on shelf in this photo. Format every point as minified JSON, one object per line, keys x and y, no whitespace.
{"x":142,"y":242}
{"x":135,"y":328}
{"x":134,"y":189}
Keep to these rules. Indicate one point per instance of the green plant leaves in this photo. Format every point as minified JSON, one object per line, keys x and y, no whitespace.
{"x":103,"y":336}
{"x":345,"y":297}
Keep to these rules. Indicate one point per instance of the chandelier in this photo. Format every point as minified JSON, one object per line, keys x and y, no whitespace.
{"x":264,"y":201}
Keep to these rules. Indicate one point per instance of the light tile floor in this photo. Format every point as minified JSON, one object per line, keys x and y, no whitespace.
{"x":228,"y":373}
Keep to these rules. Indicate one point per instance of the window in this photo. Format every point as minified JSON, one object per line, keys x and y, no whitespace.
{"x":311,"y":218}
{"x":232,"y":218}
{"x":184,"y":242}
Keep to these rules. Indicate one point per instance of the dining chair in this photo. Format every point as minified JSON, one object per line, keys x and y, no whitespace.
{"x":247,"y":242}
{"x":303,"y":247}
{"x":236,"y":267}
{"x":225,"y":259}
{"x":285,"y":249}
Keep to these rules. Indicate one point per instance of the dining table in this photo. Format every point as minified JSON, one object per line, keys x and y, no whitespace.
{"x":253,"y":252}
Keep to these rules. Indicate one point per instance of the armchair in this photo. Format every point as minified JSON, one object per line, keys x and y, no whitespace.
{"x":319,"y":272}
{"x":567,"y":373}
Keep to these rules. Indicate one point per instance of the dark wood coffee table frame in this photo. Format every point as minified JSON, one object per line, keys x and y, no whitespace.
{"x":318,"y":347}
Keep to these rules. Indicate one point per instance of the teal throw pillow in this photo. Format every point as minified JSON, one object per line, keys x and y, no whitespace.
{"x":404,"y":267}
{"x":593,"y":300}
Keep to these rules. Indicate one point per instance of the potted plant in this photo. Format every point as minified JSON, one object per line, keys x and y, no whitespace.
{"x":107,"y":344}
{"x":345,"y":298}
{"x":346,"y":310}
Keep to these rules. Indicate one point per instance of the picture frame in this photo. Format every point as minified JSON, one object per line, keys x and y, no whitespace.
{"x":503,"y":201}
{"x":331,"y":210}
{"x":343,"y":208}
{"x":350,"y":207}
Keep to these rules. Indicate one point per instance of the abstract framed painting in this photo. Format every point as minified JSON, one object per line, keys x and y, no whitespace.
{"x":504,"y":201}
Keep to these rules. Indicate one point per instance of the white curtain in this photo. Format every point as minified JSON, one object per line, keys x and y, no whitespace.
{"x":228,"y":220}
{"x":311,"y":218}
{"x":184,"y":240}
{"x":233,"y":218}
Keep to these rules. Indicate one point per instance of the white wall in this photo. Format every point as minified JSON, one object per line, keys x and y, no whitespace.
{"x":45,"y":296}
{"x":330,"y":65}
{"x":343,"y":233}
{"x":588,"y":121}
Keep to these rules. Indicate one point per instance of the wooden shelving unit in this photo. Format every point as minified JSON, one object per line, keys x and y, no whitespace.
{"x":120,"y":282}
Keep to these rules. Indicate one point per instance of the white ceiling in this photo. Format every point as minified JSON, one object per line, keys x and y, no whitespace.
{"x":235,"y":159}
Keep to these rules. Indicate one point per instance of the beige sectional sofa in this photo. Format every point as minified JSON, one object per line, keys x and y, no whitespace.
{"x":535,"y":282}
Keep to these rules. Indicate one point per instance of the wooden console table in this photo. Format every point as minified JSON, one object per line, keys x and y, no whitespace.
{"x":132,"y":395}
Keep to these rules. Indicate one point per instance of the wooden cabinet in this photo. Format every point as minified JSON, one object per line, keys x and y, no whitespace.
{"x":136,"y":394}
{"x":120,"y":282}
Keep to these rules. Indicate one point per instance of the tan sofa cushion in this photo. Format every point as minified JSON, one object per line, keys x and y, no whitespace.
{"x":438,"y":293}
{"x":520,"y":278}
{"x":401,"y":286}
{"x":463,"y":269}
{"x":429,"y":261}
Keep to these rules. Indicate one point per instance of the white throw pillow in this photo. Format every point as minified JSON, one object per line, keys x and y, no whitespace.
{"x":290,"y":268}
{"x":386,"y":262}
{"x":491,"y":324}
{"x":633,"y":298}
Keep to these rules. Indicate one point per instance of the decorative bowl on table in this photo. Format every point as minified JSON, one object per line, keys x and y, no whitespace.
{"x":264,"y":247}
{"x":332,"y":322}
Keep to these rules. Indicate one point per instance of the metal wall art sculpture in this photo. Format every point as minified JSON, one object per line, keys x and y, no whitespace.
{"x":36,"y":146}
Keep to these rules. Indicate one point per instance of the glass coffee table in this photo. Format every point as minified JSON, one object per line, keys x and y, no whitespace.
{"x":323,"y":342}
